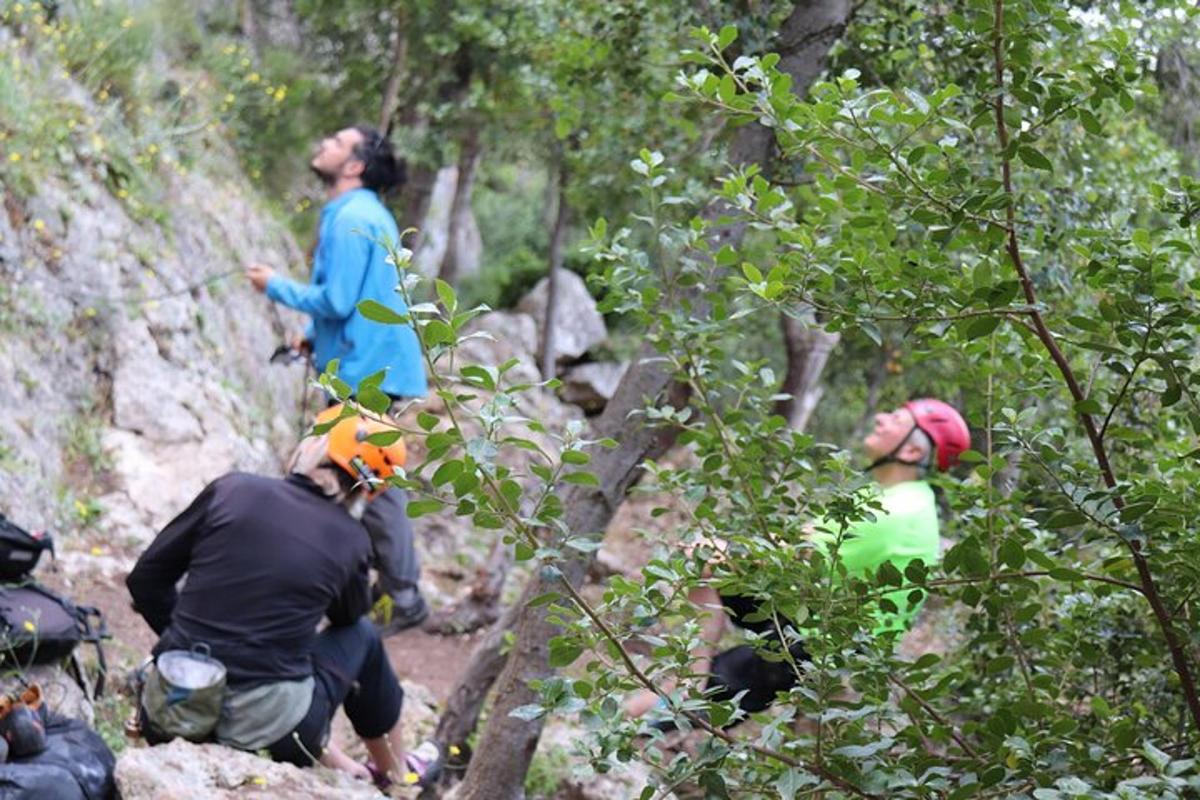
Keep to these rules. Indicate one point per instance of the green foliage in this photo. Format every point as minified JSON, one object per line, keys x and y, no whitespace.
{"x":1020,"y":235}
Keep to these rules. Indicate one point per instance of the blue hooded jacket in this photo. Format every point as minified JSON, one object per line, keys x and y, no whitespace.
{"x":349,"y":266}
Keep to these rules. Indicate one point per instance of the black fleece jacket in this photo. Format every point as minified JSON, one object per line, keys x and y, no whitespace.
{"x":266,"y":559}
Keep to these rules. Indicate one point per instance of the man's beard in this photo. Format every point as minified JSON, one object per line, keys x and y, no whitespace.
{"x":326,"y":177}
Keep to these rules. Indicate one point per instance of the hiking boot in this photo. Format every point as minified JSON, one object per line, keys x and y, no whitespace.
{"x":394,"y":617}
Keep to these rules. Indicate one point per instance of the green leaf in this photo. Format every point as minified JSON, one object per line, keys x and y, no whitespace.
{"x":426,"y":421}
{"x":1034,"y":158}
{"x":792,"y":781}
{"x":727,"y":89}
{"x":576,"y":457}
{"x":419,"y":508}
{"x":378,"y":312}
{"x":437,"y":332}
{"x":446,"y":473}
{"x":727,"y":36}
{"x":372,"y":399}
{"x":581,"y":479}
{"x":445,"y":293}
{"x":528,"y":713}
{"x":563,"y":651}
{"x":385,"y":438}
{"x":1000,"y":664}
{"x":981,"y":326}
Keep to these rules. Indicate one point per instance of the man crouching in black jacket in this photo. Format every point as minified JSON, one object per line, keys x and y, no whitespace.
{"x":265,"y":561}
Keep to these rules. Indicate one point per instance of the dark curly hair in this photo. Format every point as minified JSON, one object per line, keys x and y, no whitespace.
{"x":382,"y":171}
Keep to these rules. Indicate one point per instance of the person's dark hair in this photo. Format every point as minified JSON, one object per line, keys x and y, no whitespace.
{"x":382,"y":171}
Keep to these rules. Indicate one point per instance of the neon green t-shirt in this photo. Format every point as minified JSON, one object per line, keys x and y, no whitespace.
{"x":904,"y":530}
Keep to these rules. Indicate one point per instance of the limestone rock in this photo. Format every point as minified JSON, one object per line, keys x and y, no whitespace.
{"x":184,"y":771}
{"x":496,"y":337}
{"x":579,"y":326}
{"x":149,"y":392}
{"x":590,"y":386}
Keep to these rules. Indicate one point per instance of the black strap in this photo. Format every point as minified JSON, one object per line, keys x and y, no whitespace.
{"x":96,"y":636}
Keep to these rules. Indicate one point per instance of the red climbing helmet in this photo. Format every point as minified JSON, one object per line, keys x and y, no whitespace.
{"x":944,"y":426}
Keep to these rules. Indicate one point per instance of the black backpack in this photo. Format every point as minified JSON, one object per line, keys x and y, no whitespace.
{"x":20,"y":550}
{"x":76,"y":765}
{"x":38,"y":626}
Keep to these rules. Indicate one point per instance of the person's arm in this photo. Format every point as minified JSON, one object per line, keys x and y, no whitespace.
{"x":153,"y":579}
{"x":348,"y":253}
{"x":353,"y":601}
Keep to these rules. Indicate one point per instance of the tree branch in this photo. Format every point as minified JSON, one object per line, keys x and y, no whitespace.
{"x":1149,"y":588}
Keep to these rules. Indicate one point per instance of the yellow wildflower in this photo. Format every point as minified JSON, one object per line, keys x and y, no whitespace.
{"x":259,"y":780}
{"x":228,"y":49}
{"x":229,"y":98}
{"x":96,"y":551}
{"x":254,"y":77}
{"x":152,"y":149}
{"x":39,"y":225}
{"x":29,"y":626}
{"x":89,"y":312}
{"x":97,"y":142}
{"x":122,"y":193}
{"x":14,"y":157}
{"x":409,"y":777}
{"x":127,"y":23}
{"x":280,"y":93}
{"x":103,"y":94}
{"x":455,"y":750}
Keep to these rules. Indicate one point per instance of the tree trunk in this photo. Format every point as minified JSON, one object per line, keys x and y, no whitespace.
{"x":396,"y":74}
{"x":412,"y":201}
{"x":480,"y":605}
{"x":468,"y":168}
{"x":808,"y":347}
{"x":557,"y":233}
{"x":875,"y":380}
{"x":458,"y":721}
{"x":497,"y":771}
{"x":1178,"y":78}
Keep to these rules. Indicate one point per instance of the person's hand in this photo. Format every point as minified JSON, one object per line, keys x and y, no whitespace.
{"x":259,"y":274}
{"x":300,"y":344}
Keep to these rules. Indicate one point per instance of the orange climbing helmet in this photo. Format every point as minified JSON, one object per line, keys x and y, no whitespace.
{"x":349,"y":447}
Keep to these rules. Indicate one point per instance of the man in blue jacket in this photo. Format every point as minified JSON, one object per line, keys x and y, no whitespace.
{"x":350,"y":265}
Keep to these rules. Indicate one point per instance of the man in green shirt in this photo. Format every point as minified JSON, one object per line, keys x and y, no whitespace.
{"x":904,"y":445}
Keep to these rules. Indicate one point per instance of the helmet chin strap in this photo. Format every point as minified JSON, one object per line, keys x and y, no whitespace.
{"x":891,"y":457}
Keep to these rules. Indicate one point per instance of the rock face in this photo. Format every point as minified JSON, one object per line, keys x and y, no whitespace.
{"x":578,"y":325}
{"x":591,"y":386}
{"x":134,"y":364}
{"x":184,"y":771}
